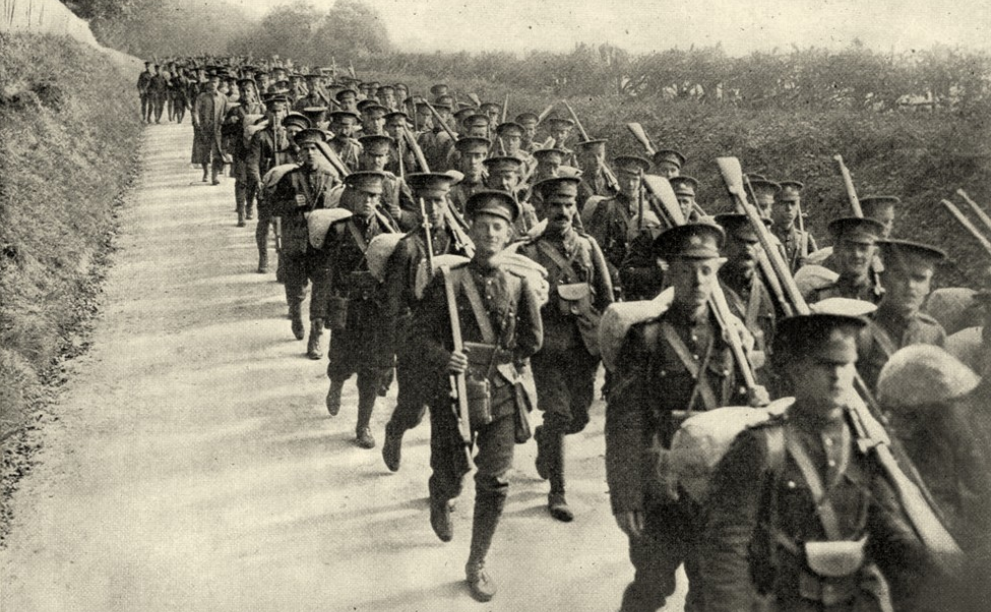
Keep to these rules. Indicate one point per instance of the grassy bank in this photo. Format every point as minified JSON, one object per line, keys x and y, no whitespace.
{"x":69,"y":131}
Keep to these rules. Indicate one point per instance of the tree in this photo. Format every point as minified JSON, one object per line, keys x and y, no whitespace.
{"x":352,"y":29}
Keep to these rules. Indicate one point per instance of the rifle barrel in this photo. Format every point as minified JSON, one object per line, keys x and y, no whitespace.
{"x":985,"y":219}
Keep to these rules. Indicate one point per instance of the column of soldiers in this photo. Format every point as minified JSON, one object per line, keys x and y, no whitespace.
{"x":409,"y":226}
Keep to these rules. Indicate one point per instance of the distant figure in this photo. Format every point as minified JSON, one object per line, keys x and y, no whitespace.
{"x":208,"y":118}
{"x":144,"y":82}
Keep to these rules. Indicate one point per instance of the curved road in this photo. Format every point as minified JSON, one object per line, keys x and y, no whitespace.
{"x":194,"y":466}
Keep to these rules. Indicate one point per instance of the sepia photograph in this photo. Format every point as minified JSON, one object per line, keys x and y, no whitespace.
{"x":438,"y":305}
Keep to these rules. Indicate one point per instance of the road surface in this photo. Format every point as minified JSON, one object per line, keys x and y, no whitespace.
{"x":195,"y":467}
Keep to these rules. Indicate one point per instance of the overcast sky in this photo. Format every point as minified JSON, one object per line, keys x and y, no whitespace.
{"x":644,"y":25}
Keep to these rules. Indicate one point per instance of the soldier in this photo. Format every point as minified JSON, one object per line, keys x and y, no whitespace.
{"x":298,"y":192}
{"x":764,"y":194}
{"x":596,"y":180}
{"x":402,"y":273}
{"x":882,"y":209}
{"x":396,"y":124}
{"x":612,"y":222}
{"x":387,"y":97}
{"x":799,"y":489}
{"x":208,"y":115}
{"x":854,"y":249}
{"x":746,"y":294}
{"x":343,"y":124}
{"x":797,"y":243}
{"x":158,"y":90}
{"x":560,"y":130}
{"x":503,"y":173}
{"x":668,"y":163}
{"x":144,"y":82}
{"x":499,"y":318}
{"x":667,"y":366}
{"x":396,"y":196}
{"x":312,"y":97}
{"x":359,"y":342}
{"x":529,"y":122}
{"x":434,"y":141}
{"x":898,"y":320}
{"x":317,"y":116}
{"x":179,"y":94}
{"x":685,"y":188}
{"x":641,"y":277}
{"x":372,"y":117}
{"x":476,"y":125}
{"x":564,"y":368}
{"x":493,"y":112}
{"x":438,"y":90}
{"x":245,"y":189}
{"x":472,"y":151}
{"x":510,"y":139}
{"x":270,"y":147}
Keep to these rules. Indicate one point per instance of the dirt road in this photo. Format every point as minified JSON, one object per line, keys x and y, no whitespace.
{"x":195,"y":467}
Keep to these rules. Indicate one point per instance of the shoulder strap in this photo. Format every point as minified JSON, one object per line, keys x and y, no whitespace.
{"x":477,"y":308}
{"x":888,"y":344}
{"x":698,"y":373}
{"x":559,"y":260}
{"x":825,"y":510}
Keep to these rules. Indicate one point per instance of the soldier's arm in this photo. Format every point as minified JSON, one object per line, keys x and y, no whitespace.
{"x":625,"y":425}
{"x":734,"y":505}
{"x":431,"y":328}
{"x":529,"y":325}
{"x":254,"y":159}
{"x":396,"y":282}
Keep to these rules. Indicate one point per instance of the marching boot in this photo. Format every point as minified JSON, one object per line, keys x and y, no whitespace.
{"x":366,"y":404}
{"x":206,"y":169}
{"x":316,"y":335}
{"x":392,"y":448}
{"x":488,"y":509}
{"x":440,"y":518}
{"x":240,"y":218}
{"x":334,"y":396}
{"x":263,"y":261}
{"x":297,"y":321}
{"x":215,"y":176}
{"x":541,"y":462}
{"x":557,"y":505}
{"x":280,"y":273}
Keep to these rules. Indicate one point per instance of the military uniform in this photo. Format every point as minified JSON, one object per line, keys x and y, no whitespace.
{"x":158,"y":90}
{"x":564,"y":369}
{"x":346,"y":147}
{"x":359,"y":342}
{"x":144,"y":81}
{"x":856,"y":285}
{"x":499,"y":313}
{"x":300,"y":191}
{"x":245,"y":188}
{"x":641,"y":277}
{"x":268,"y":148}
{"x":678,"y":361}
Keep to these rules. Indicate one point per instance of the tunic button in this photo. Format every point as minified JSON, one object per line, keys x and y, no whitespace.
{"x":829,"y":441}
{"x":831,"y":463}
{"x":664,"y":373}
{"x":695,"y":357}
{"x":791,"y":484}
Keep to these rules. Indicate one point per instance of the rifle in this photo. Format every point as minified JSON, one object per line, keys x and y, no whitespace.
{"x":277,"y":233}
{"x":440,"y":120}
{"x":967,"y":224}
{"x":335,"y":160}
{"x":638,"y":132}
{"x":505,"y":109}
{"x":985,"y":219}
{"x":399,"y":148}
{"x":543,"y":114}
{"x":863,"y":412}
{"x":851,"y":191}
{"x":474,"y":98}
{"x":763,"y":260}
{"x":610,"y":177}
{"x":459,"y":387}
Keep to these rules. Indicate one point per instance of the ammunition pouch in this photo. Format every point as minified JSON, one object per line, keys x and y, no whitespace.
{"x":575,"y":300}
{"x":831,"y":572}
{"x":479,"y":391}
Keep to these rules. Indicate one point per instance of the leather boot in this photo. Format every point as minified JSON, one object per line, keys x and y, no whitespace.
{"x":334,"y":396}
{"x":392,"y":448}
{"x":440,"y":518}
{"x":541,"y":462}
{"x":557,"y":505}
{"x":366,"y":404}
{"x":280,"y":274}
{"x":263,"y":261}
{"x":488,"y":509}
{"x":316,"y":335}
{"x":240,"y":218}
{"x":298,"y":330}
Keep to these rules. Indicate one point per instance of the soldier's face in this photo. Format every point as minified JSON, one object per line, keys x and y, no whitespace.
{"x":820,"y":383}
{"x":783,"y":214}
{"x":887,"y":218}
{"x":741,"y":253}
{"x":529,"y":131}
{"x":687,"y":203}
{"x":471,"y":162}
{"x":548,"y":167}
{"x":375,"y":160}
{"x":308,"y":155}
{"x":436,"y":209}
{"x":667,"y":170}
{"x":373,"y":125}
{"x":512,"y":143}
{"x":279,"y":109}
{"x":853,"y":258}
{"x":490,"y":234}
{"x":560,"y":214}
{"x":344,"y":128}
{"x":478,"y":131}
{"x":395,"y":129}
{"x":425,"y":119}
{"x":692,"y":280}
{"x":506,"y":180}
{"x":560,"y":134}
{"x":365,"y":203}
{"x":629,"y":182}
{"x":906,"y":285}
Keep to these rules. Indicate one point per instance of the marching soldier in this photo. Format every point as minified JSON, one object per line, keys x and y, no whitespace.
{"x":269,"y":147}
{"x":144,"y":82}
{"x":396,"y":124}
{"x":595,"y":179}
{"x":564,"y":368}
{"x":668,"y":163}
{"x":882,"y":209}
{"x":359,"y":342}
{"x":499,"y":319}
{"x":476,"y":125}
{"x":529,"y":122}
{"x":503,"y":173}
{"x":434,"y":141}
{"x":244,"y":188}
{"x":898,"y":320}
{"x":158,"y":89}
{"x":612,"y":222}
{"x":471,"y":152}
{"x":510,"y":140}
{"x":317,"y":116}
{"x":853,"y":253}
{"x":402,"y":274}
{"x":376,"y":150}
{"x":343,"y":124}
{"x":559,"y":129}
{"x":748,"y":298}
{"x":372,"y":117}
{"x":300,"y":191}
{"x":312,"y":99}
{"x":797,"y":507}
{"x":765,"y":193}
{"x":641,"y":277}
{"x":439,"y":89}
{"x":685,"y":188}
{"x":493,"y":112}
{"x":179,"y":95}
{"x":798,"y":244}
{"x":667,"y":366}
{"x":208,"y":115}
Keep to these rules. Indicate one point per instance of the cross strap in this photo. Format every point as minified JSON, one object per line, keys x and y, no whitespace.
{"x":702,"y":385}
{"x":559,"y":260}
{"x":825,"y":510}
{"x":477,"y":307}
{"x":887,"y":343}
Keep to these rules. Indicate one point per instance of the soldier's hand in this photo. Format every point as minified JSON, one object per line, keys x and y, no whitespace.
{"x":458,"y":363}
{"x":758,"y":397}
{"x":631,"y":522}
